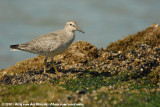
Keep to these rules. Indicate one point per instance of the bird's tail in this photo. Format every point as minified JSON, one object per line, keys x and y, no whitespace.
{"x":19,"y":47}
{"x":15,"y":47}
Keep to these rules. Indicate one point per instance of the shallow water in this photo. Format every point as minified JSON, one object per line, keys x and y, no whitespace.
{"x":104,"y":21}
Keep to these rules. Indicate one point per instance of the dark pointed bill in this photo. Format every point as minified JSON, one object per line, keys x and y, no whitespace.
{"x":80,"y":30}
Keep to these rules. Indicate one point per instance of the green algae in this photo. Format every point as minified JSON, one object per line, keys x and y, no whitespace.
{"x":100,"y":90}
{"x":30,"y":93}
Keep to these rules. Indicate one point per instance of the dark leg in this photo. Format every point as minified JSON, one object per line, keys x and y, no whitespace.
{"x":45,"y":64}
{"x":54,"y":66}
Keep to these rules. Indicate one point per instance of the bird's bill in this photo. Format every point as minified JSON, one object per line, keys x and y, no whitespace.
{"x":78,"y":29}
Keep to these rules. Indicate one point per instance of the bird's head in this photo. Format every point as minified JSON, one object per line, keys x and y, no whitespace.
{"x":72,"y":26}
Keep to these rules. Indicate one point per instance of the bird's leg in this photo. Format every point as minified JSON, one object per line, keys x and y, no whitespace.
{"x":45,"y":64}
{"x":52,"y":63}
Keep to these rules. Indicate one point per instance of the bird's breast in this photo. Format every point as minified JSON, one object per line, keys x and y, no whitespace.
{"x":64,"y":43}
{"x":67,"y":42}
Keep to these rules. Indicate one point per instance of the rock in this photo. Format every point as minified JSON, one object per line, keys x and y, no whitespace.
{"x":135,"y":53}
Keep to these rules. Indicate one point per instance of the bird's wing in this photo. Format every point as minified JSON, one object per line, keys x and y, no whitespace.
{"x":42,"y":44}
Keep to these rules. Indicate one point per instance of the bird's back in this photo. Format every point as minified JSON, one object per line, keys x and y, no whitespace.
{"x":49,"y":44}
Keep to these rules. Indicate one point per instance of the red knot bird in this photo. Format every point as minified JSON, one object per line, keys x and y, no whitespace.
{"x":50,"y":44}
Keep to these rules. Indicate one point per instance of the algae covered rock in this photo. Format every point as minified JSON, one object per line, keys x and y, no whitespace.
{"x":149,"y":36}
{"x":138,"y":55}
{"x":77,"y":55}
{"x":126,"y":72}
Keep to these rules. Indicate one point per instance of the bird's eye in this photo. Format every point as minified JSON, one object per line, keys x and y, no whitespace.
{"x":70,"y":24}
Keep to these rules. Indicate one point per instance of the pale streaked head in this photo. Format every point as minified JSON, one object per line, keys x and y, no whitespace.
{"x":72,"y":26}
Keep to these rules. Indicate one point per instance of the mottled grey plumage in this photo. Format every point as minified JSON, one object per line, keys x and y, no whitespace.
{"x":50,"y":44}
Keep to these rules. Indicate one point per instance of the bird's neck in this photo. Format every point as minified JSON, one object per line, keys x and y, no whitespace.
{"x":69,"y":33}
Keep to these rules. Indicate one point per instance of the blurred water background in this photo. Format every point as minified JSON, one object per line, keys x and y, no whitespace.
{"x":104,"y":21}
